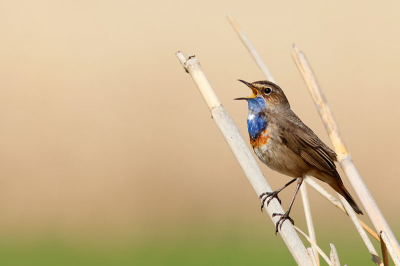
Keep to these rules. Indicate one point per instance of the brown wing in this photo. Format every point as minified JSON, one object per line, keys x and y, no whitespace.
{"x":303,"y":141}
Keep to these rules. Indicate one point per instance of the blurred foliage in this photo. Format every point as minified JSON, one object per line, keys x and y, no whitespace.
{"x":181,"y":247}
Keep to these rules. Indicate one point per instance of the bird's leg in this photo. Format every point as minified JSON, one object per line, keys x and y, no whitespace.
{"x":285,"y":216}
{"x":272,"y":195}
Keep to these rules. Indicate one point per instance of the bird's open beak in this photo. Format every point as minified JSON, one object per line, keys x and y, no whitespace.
{"x":255,"y":91}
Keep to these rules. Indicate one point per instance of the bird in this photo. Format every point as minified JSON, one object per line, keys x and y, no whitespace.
{"x":285,"y":144}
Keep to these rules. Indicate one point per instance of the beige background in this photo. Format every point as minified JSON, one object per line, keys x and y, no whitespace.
{"x":101,"y":130}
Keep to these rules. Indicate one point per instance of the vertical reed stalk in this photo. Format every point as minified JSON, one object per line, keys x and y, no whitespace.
{"x":311,"y":253}
{"x":307,"y":212}
{"x":314,"y":245}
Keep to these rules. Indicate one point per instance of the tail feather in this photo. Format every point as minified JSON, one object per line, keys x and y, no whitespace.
{"x":343,"y":191}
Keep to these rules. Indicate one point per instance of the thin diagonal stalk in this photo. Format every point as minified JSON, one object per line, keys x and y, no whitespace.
{"x":323,"y":255}
{"x":367,"y":242}
{"x":243,"y":156}
{"x":368,"y":202}
{"x":335,"y":202}
{"x":251,"y":49}
{"x":307,"y":212}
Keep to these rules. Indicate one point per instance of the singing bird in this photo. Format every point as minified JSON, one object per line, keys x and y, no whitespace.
{"x":285,"y":144}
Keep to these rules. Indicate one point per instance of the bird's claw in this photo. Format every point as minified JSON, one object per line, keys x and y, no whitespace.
{"x":271,"y":196}
{"x":283,"y":218}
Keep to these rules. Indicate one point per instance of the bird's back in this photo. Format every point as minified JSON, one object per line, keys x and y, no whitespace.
{"x":306,"y":144}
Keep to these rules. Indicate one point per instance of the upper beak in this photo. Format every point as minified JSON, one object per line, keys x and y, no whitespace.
{"x":255,"y":92}
{"x":245,"y":82}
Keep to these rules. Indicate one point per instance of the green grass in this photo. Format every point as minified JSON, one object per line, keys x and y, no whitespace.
{"x":182,"y":247}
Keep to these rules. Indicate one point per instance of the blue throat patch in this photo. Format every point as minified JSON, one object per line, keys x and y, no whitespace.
{"x":256,"y":120}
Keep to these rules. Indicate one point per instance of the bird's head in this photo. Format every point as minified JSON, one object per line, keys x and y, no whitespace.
{"x":266,"y":95}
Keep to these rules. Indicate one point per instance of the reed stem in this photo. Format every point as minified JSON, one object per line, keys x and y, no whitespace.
{"x":368,"y":202}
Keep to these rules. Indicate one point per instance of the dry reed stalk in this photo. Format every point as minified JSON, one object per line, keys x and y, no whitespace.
{"x":323,"y":255}
{"x":353,"y":216}
{"x":244,"y":156}
{"x":387,"y":248}
{"x":368,"y":202}
{"x":312,"y":255}
{"x":307,"y":212}
{"x":335,"y":202}
{"x":385,"y":254}
{"x":334,"y":256}
{"x":251,"y":49}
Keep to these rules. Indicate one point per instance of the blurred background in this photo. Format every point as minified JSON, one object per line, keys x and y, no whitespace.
{"x":109,"y":155}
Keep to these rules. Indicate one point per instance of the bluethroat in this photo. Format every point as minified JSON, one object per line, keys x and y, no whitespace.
{"x":285,"y":144}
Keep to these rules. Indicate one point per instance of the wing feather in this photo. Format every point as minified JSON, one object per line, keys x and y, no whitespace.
{"x":305,"y":143}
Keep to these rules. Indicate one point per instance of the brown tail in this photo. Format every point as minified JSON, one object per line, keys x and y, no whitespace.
{"x":343,"y":191}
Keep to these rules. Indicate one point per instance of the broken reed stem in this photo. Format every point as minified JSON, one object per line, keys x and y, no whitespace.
{"x":312,"y":255}
{"x":314,"y":245}
{"x":307,"y":212}
{"x":368,"y":202}
{"x":334,"y":256}
{"x":244,"y":156}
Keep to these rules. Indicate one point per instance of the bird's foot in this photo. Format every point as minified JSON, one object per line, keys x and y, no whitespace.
{"x":283,"y":218}
{"x":269,"y":196}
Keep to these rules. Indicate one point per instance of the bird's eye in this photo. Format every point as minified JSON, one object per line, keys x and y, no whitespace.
{"x":267,"y":90}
